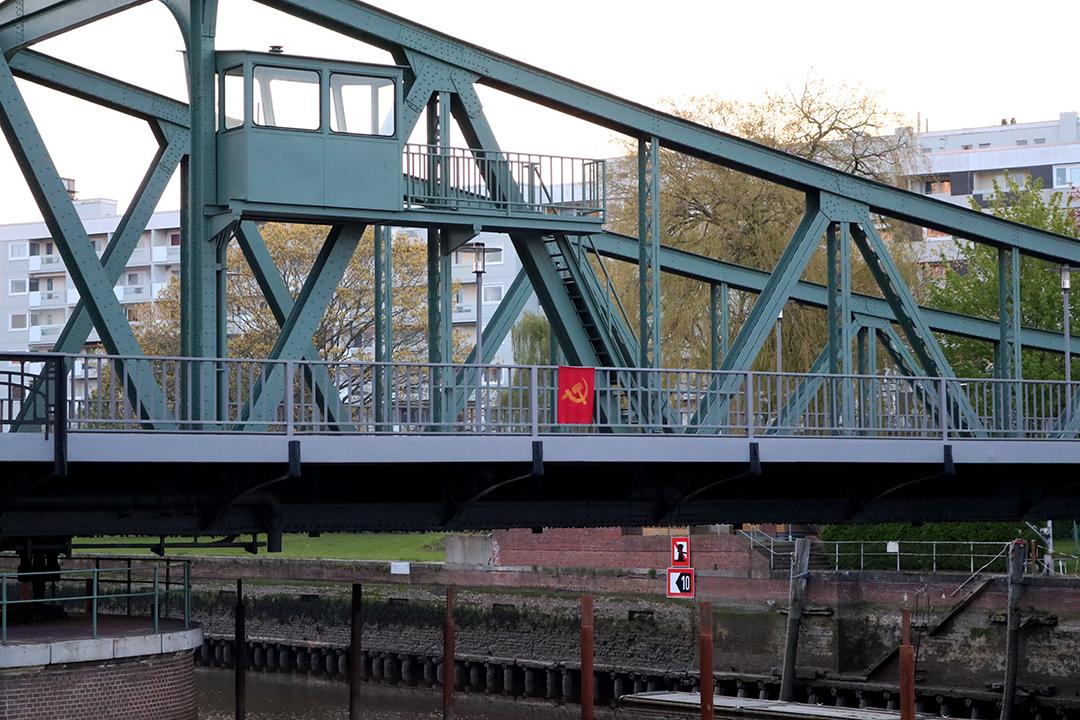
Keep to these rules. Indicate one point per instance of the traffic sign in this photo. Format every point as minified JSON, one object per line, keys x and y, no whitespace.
{"x":680,"y":582}
{"x":680,"y":552}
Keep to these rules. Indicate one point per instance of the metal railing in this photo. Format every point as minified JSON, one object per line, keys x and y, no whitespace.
{"x":89,"y":588}
{"x":451,"y":178}
{"x":967,"y":556}
{"x":293,"y":396}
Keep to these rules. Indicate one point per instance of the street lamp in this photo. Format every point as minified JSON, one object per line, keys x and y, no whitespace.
{"x":479,"y":256}
{"x":780,"y":342}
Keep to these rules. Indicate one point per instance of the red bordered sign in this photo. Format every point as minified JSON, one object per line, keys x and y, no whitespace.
{"x":680,"y":552}
{"x":680,"y":583}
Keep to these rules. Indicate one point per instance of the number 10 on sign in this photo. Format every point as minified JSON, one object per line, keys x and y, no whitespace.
{"x":680,"y":582}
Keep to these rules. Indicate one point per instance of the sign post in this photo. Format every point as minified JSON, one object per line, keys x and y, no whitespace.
{"x":680,"y":575}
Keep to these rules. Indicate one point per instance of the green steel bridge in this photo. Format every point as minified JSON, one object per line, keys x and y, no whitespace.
{"x":204,"y":444}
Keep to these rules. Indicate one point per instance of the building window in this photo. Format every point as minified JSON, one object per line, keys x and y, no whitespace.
{"x":1066,"y":175}
{"x":493,"y":293}
{"x":174,"y":239}
{"x":494,"y":256}
{"x":18,"y":251}
{"x":17,"y":286}
{"x":984,"y":145}
{"x":35,"y":284}
{"x":133,"y":279}
{"x":17,"y":321}
{"x":1021,"y":142}
{"x":937,"y":187}
{"x":965,"y":147}
{"x":234,"y":97}
{"x":1039,"y":141}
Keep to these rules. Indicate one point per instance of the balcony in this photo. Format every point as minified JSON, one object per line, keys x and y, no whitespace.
{"x":140,"y":256}
{"x":44,"y":334}
{"x":46,"y":298}
{"x":482,"y":182}
{"x":134,"y":293}
{"x":464,"y":313}
{"x":166,"y":254}
{"x":51,"y":264}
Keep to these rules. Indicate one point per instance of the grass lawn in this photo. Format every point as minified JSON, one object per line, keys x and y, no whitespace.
{"x":338,"y":546}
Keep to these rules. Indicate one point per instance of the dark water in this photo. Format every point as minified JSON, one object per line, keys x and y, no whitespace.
{"x":295,"y":697}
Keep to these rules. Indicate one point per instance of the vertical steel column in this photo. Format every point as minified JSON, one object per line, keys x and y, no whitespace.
{"x":719,"y":319}
{"x":356,"y":661}
{"x":240,"y":655}
{"x":384,"y":316}
{"x":199,"y":273}
{"x":705,"y":666}
{"x":1008,"y":364}
{"x":649,"y":251}
{"x":587,"y":678}
{"x":838,"y":251}
{"x":440,"y":337}
{"x":867,"y":347}
{"x":448,"y":662}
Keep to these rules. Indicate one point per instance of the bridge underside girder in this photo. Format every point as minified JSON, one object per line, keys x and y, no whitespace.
{"x":219,"y":499}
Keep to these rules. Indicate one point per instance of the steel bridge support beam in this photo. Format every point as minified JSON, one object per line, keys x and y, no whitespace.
{"x":27,"y":22}
{"x":911,"y":321}
{"x":1008,"y":361}
{"x":649,"y":312}
{"x":384,"y":322}
{"x":303,"y":319}
{"x":719,"y":320}
{"x":202,"y":273}
{"x":439,"y":269}
{"x":838,"y":252}
{"x":89,"y":277}
{"x":867,"y":342}
{"x":759,"y":323}
{"x":280,"y":301}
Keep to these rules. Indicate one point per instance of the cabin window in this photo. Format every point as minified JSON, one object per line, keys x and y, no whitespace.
{"x":362,"y":105}
{"x":234,"y":97}
{"x":286,"y":98}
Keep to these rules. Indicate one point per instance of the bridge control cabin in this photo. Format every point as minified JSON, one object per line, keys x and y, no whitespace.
{"x":307,"y":138}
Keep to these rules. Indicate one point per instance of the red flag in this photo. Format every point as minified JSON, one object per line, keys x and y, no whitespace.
{"x":576,"y":394}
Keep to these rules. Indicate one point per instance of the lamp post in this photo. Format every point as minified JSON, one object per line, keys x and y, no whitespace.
{"x":1066,"y":311}
{"x":479,"y":255}
{"x":780,"y":342}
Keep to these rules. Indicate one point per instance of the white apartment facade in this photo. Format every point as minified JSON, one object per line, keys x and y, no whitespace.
{"x":37,"y":295}
{"x":36,"y":292}
{"x":959,"y":166}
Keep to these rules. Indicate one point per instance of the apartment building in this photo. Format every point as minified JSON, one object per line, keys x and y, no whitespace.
{"x":36,"y":291}
{"x":962,"y":165}
{"x":37,"y":295}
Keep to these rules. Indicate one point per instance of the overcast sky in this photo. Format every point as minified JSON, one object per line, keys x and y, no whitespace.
{"x":958,"y":63}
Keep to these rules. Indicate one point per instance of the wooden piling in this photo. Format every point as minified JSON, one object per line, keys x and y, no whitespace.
{"x":1012,"y":637}
{"x":907,"y":670}
{"x":448,"y":657}
{"x":240,"y":655}
{"x":705,"y":669}
{"x":800,"y":564}
{"x":586,"y":657}
{"x":356,"y":660}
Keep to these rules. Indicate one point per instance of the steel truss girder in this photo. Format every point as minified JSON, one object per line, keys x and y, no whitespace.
{"x":280,"y":301}
{"x":101,"y":89}
{"x":94,"y":285}
{"x":396,"y":34}
{"x":719,"y":320}
{"x":384,"y":318}
{"x":753,"y":333}
{"x":25,"y":22}
{"x":303,"y":319}
{"x":713,"y":271}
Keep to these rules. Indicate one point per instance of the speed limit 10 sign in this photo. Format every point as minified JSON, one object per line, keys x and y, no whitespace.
{"x":680,"y":582}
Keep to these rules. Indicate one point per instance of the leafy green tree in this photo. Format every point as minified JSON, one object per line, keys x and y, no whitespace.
{"x":970,"y":284}
{"x":530,"y":339}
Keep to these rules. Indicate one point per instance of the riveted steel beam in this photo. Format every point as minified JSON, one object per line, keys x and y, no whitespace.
{"x":303,"y":320}
{"x":81,"y":261}
{"x":719,"y":320}
{"x":649,"y":317}
{"x":280,"y":302}
{"x":25,"y":22}
{"x":710,"y":270}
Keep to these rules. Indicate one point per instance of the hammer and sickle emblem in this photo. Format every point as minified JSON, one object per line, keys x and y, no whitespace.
{"x":578,"y":394}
